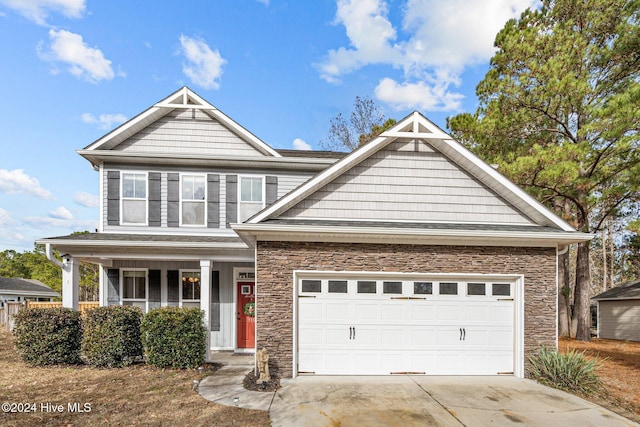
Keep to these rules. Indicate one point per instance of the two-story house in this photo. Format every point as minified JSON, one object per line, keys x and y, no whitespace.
{"x":408,"y":255}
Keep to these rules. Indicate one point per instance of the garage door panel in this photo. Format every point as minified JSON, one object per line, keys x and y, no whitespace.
{"x":420,"y":312}
{"x":421,"y":337}
{"x":337,"y":311}
{"x":366,"y":311}
{"x":313,"y":311}
{"x":447,"y":312}
{"x":392,"y":312}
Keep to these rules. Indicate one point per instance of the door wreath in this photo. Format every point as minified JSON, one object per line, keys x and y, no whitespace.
{"x":250,"y":309}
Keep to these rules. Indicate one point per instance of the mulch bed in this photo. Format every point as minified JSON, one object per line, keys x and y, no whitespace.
{"x":251,"y":381}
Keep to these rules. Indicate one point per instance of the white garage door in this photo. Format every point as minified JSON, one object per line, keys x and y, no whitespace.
{"x":381,"y":327}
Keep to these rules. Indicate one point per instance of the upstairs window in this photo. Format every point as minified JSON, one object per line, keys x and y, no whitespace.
{"x":134,"y":198}
{"x":192,"y":200}
{"x":251,"y":196}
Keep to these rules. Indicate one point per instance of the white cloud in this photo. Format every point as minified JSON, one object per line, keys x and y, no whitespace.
{"x":18,"y":182}
{"x":86,"y":199}
{"x":61,"y":213}
{"x":5,"y":218}
{"x":84,"y":62}
{"x":300,"y":144}
{"x":441,"y":39}
{"x":38,"y":10}
{"x":417,"y":95}
{"x":104,"y":121}
{"x":204,"y":66}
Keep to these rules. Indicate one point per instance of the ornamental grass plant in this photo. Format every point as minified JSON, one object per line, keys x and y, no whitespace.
{"x":570,"y":371}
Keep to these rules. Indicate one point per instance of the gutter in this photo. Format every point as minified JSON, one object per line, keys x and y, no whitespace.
{"x":49,"y":252}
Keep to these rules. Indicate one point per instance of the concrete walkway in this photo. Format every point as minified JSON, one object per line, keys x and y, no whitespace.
{"x":226,"y":384}
{"x":405,"y":400}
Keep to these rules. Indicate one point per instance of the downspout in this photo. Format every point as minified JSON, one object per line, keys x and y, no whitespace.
{"x":563,"y":250}
{"x":50,"y":257}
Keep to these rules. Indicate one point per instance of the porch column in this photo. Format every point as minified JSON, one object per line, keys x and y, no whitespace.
{"x":70,"y":283}
{"x":205,"y":299}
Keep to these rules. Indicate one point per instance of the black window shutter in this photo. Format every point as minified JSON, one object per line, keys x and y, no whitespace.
{"x":173,"y":286}
{"x":113,"y":286}
{"x":113,"y":198}
{"x":173,"y":199}
{"x":154,"y":199}
{"x":232,"y":199}
{"x":271,"y":185}
{"x":215,"y":300}
{"x":213,"y":200}
{"x":154,"y":285}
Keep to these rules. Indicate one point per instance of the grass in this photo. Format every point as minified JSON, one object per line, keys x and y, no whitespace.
{"x":135,"y":395}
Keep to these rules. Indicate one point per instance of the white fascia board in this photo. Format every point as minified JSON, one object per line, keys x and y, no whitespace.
{"x":124,"y":128}
{"x":98,"y":156}
{"x":252,"y":232}
{"x":141,"y":244}
{"x":617,"y":299}
{"x":502,"y":181}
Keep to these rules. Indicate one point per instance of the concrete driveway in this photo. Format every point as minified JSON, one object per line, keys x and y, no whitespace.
{"x":431,"y":401}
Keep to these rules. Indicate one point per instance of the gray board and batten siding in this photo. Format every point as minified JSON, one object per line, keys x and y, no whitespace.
{"x":188,"y":131}
{"x":164,"y":196}
{"x":161,"y":273}
{"x":398,"y":182}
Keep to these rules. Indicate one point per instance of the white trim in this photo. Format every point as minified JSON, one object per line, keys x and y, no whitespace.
{"x":146,"y":287}
{"x":103,"y":200}
{"x":146,"y":198}
{"x":239,"y":193}
{"x":180,"y":274}
{"x":236,"y":279}
{"x":517,"y":280}
{"x":204,"y":201}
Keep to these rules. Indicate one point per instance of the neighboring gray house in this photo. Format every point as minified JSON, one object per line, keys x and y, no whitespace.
{"x":408,"y":255}
{"x":619,"y":312}
{"x":12,"y":289}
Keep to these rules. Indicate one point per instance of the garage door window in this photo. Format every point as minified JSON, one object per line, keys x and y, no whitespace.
{"x":314,"y":286}
{"x":476,"y":289}
{"x":448,"y":288}
{"x":501,"y":289}
{"x":366,"y":287}
{"x":392,"y":287}
{"x":422,"y":288}
{"x":337,"y":286}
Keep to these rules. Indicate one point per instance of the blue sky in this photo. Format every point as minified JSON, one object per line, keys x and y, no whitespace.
{"x":72,"y":70}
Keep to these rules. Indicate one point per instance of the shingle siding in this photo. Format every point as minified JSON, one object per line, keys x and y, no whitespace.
{"x":276,"y":262}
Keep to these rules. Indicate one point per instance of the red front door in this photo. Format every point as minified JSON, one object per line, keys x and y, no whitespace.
{"x":245,"y":313}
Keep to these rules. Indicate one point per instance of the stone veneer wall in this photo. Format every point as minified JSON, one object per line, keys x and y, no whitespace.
{"x":276,"y":261}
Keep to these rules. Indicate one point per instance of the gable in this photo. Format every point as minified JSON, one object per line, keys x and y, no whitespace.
{"x":407,"y":181}
{"x":188,"y":131}
{"x":182,"y":123}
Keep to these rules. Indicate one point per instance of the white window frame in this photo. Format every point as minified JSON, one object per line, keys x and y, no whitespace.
{"x":203,"y":201}
{"x":145,"y":199}
{"x":181,"y":273}
{"x":146,"y":287}
{"x":240,"y":202}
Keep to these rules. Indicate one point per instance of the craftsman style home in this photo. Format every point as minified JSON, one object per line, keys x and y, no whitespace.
{"x":408,"y":255}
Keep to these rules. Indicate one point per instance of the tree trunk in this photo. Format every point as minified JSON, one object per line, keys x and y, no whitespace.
{"x":604,"y":259}
{"x":563,"y":301}
{"x":582,"y":308}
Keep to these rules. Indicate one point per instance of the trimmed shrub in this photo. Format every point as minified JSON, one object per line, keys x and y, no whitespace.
{"x":48,"y":336}
{"x":112,"y":336}
{"x":570,"y":371}
{"x":174,"y":337}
